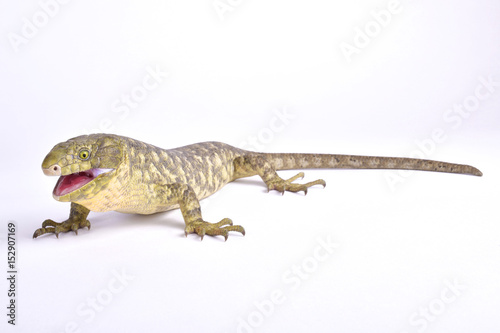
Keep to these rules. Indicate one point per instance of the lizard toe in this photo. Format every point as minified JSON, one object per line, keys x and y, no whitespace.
{"x":222,"y":228}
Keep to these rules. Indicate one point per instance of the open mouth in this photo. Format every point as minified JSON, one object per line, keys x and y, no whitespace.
{"x":69,"y":183}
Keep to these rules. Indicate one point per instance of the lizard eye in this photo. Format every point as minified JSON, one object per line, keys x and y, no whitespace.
{"x":84,"y":154}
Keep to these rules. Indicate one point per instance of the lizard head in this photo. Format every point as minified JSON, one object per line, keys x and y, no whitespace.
{"x":84,"y":164}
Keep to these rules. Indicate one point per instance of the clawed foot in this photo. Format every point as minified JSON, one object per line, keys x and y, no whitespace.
{"x":203,"y":228}
{"x":282,"y":185}
{"x":49,"y":226}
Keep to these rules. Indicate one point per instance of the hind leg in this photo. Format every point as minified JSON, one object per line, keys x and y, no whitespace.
{"x":250,"y":165}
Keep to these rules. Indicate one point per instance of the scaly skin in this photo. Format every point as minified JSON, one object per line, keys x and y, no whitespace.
{"x":131,"y":176}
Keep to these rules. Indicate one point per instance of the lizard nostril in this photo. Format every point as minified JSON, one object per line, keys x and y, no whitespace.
{"x":53,"y":170}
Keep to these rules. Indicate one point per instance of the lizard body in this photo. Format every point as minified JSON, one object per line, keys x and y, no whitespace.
{"x":104,"y":172}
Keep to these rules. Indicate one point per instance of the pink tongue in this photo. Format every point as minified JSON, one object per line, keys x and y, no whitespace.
{"x":69,"y":183}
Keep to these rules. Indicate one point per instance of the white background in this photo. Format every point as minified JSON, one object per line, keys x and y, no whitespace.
{"x":400,"y":247}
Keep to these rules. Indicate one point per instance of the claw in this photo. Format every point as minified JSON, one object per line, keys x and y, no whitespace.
{"x":297,"y":176}
{"x":51,"y":227}
{"x":221,"y":228}
{"x":283,"y":186}
{"x":77,"y":220}
{"x":38,"y":232}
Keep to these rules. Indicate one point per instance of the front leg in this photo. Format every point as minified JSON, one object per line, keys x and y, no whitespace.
{"x":77,"y":219}
{"x":184,"y":195}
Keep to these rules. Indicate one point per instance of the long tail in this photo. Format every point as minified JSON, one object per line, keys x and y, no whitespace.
{"x":329,"y":161}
